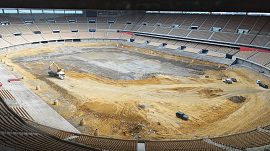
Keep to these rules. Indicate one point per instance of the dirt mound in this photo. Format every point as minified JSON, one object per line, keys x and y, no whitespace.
{"x":180,"y":89}
{"x":210,"y":93}
{"x":237,"y":99}
{"x":121,"y":111}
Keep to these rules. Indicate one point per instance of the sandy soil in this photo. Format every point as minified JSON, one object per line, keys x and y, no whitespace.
{"x":146,"y":108}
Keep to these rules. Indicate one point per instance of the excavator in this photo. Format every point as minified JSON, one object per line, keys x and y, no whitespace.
{"x":59,"y":73}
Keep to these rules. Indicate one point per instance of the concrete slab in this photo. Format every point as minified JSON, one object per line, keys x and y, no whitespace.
{"x":41,"y":112}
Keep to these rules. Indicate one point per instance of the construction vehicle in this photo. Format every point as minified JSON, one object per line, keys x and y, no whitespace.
{"x":228,"y":81}
{"x":59,"y":73}
{"x":234,"y":79}
{"x":182,"y":115}
{"x":262,"y":84}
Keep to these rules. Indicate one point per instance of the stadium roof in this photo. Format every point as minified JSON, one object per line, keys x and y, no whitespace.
{"x":156,"y":5}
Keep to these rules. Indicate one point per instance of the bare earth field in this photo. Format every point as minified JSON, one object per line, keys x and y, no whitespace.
{"x":135,"y":94}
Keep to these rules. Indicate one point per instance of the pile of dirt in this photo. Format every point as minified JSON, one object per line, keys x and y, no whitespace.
{"x":210,"y":93}
{"x":180,"y":89}
{"x":137,"y":128}
{"x":237,"y":99}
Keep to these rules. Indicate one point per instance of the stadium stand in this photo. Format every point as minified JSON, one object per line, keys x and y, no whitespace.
{"x":224,"y":37}
{"x":245,"y":54}
{"x":245,"y":39}
{"x":16,"y":128}
{"x":250,"y":139}
{"x":33,"y":38}
{"x":52,"y":131}
{"x":261,"y":58}
{"x":118,"y":26}
{"x":21,"y":141}
{"x":208,"y":23}
{"x":45,"y":28}
{"x":162,"y":30}
{"x":51,"y":36}
{"x":83,"y":27}
{"x":233,"y":24}
{"x":21,"y":112}
{"x":147,"y":29}
{"x":180,"y":32}
{"x":260,"y":40}
{"x":200,"y":34}
{"x":181,"y":145}
{"x":221,"y":21}
{"x":107,"y":143}
{"x":248,"y":22}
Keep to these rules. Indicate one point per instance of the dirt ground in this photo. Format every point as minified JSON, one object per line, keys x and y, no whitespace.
{"x":145,"y":108}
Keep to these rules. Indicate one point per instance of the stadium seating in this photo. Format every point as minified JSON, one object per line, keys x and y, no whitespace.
{"x":222,"y":21}
{"x":245,"y":39}
{"x":83,"y":27}
{"x":233,"y":24}
{"x":180,"y":32}
{"x":33,"y":27}
{"x":118,"y":26}
{"x":224,"y":37}
{"x":200,"y":34}
{"x":261,"y":58}
{"x":228,"y":25}
{"x":107,"y":143}
{"x":51,"y":131}
{"x":162,"y":30}
{"x":250,"y":139}
{"x":18,"y":131}
{"x":208,"y":23}
{"x":248,"y":22}
{"x":261,"y":40}
{"x":180,"y":145}
{"x":44,"y":28}
{"x":37,"y":141}
{"x":245,"y":54}
{"x":20,"y":111}
{"x":147,"y":29}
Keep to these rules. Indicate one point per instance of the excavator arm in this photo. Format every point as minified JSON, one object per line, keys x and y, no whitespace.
{"x":59,"y":73}
{"x":57,"y":67}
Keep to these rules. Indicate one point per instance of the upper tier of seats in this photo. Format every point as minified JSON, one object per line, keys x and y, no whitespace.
{"x":17,"y":132}
{"x":78,"y":27}
{"x":197,"y":27}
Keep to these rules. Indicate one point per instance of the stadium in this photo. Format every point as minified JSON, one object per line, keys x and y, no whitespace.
{"x":134,"y":80}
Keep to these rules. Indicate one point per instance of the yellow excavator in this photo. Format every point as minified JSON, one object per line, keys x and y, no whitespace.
{"x":59,"y":73}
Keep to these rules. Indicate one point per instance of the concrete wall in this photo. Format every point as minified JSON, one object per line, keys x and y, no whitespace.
{"x":253,"y":65}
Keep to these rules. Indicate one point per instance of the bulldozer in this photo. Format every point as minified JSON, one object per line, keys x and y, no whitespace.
{"x":59,"y":73}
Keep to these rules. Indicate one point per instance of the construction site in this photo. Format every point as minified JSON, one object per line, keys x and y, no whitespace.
{"x":123,"y":91}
